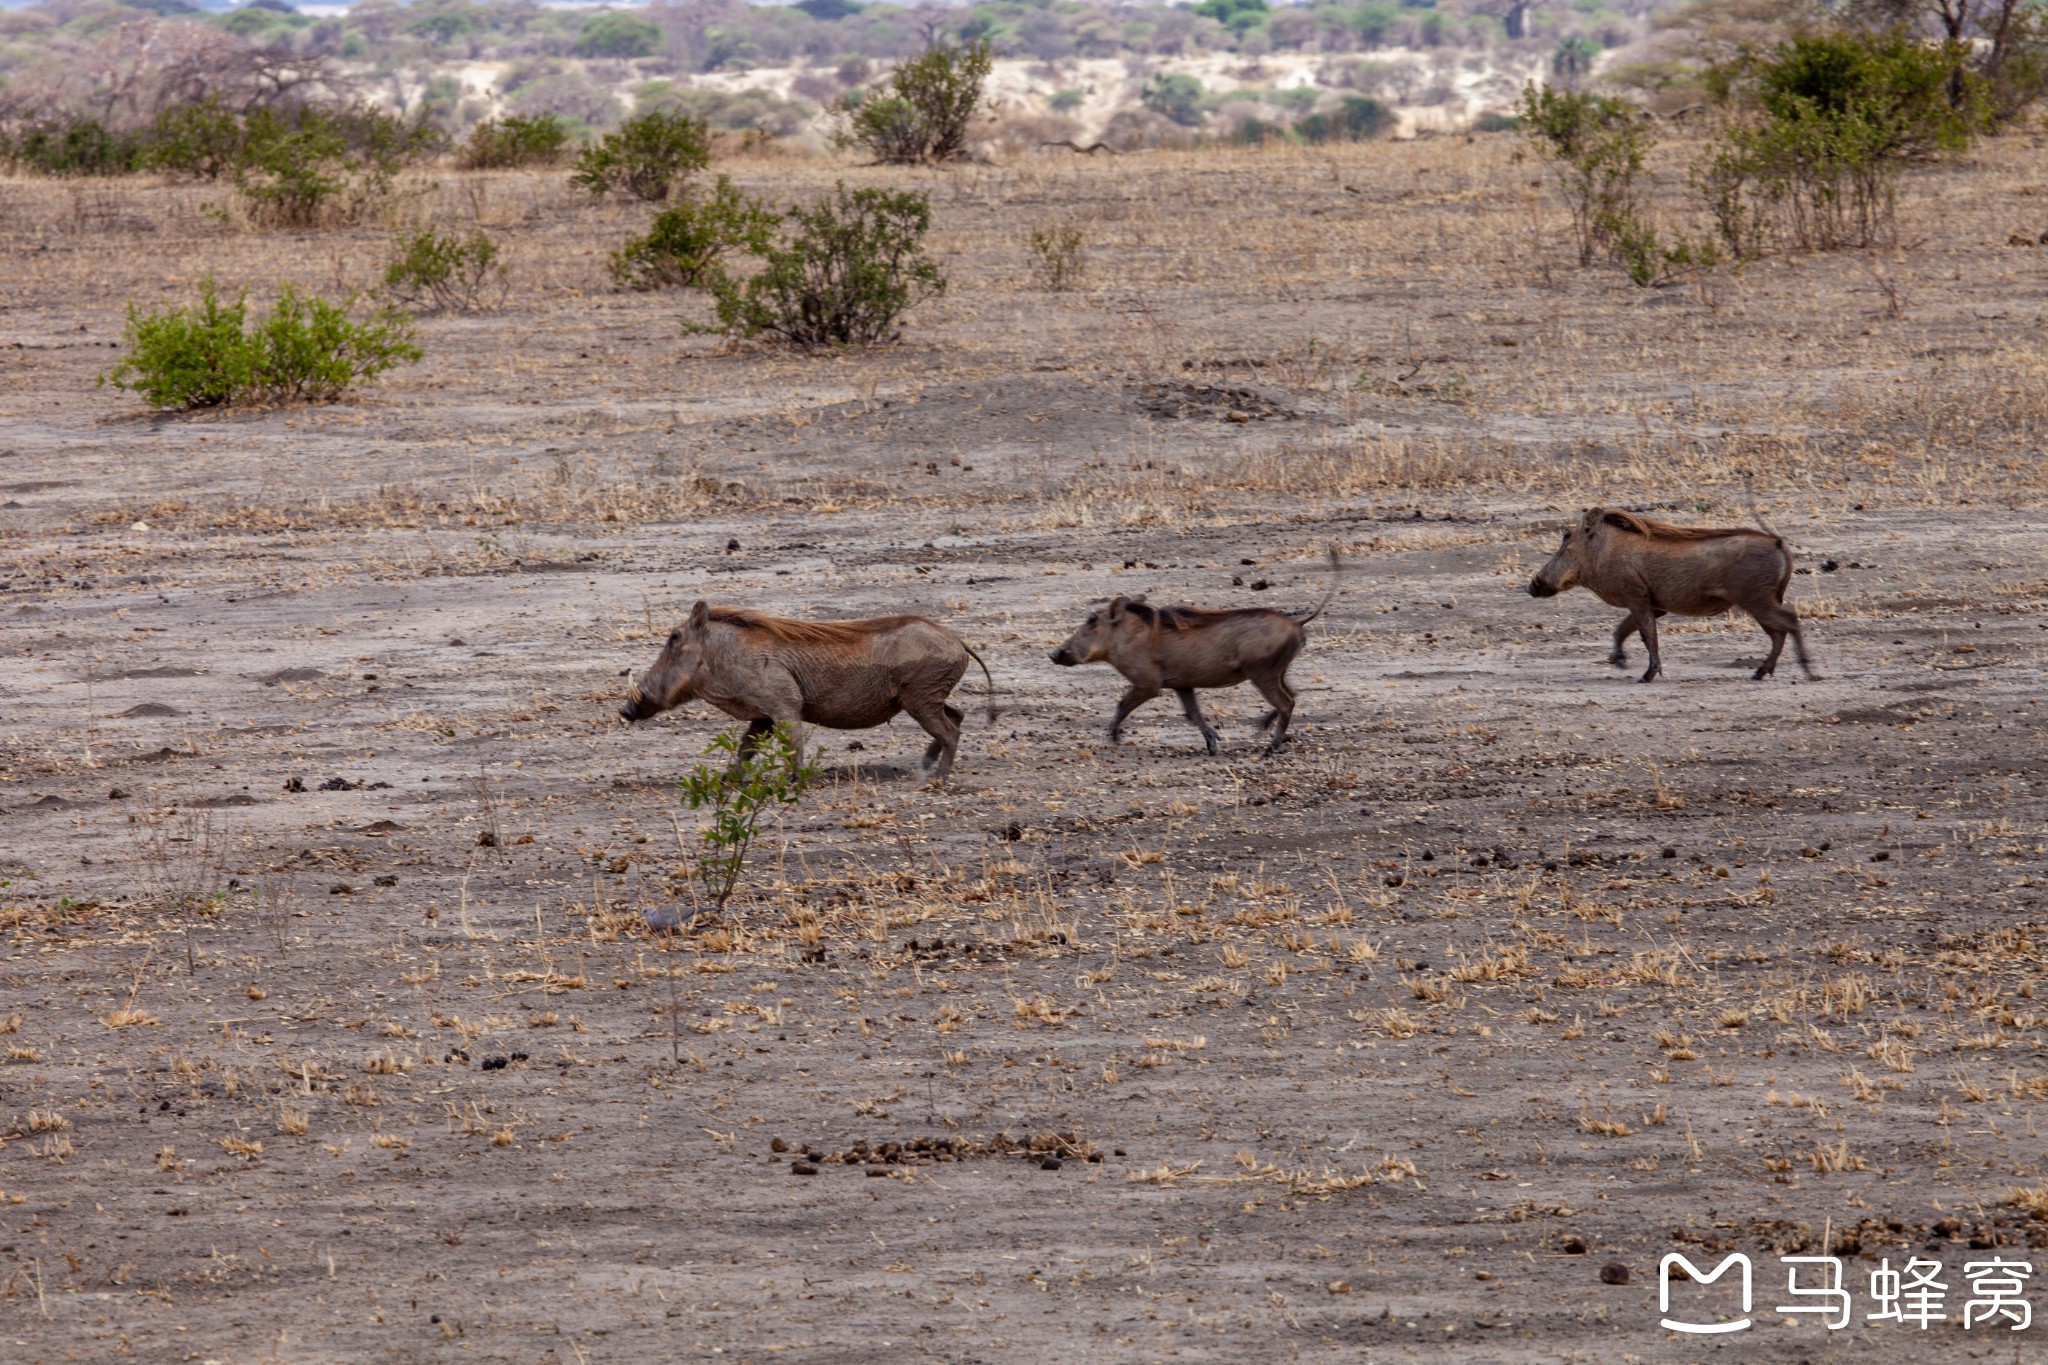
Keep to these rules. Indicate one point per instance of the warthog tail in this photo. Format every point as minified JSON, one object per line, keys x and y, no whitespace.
{"x":1329,"y":595}
{"x":989,"y":696}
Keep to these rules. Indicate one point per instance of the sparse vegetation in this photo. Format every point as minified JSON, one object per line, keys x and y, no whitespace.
{"x":686,"y":245}
{"x":930,"y":105}
{"x":305,"y":349}
{"x":845,"y":271}
{"x":1058,"y":260}
{"x":738,"y":796}
{"x":438,"y":271}
{"x":513,"y":141}
{"x":650,"y":156}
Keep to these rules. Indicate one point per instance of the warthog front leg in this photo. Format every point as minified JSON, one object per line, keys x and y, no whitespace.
{"x":751,"y":740}
{"x":1130,"y":702}
{"x":1623,"y":628}
{"x":1192,"y":707}
{"x":1645,"y":621}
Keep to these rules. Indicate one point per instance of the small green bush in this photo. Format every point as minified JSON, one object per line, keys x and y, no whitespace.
{"x":767,"y":771}
{"x":852,"y":266}
{"x":437,"y":271}
{"x":685,"y":245}
{"x":304,"y":167}
{"x":1355,"y":119}
{"x":304,"y":350}
{"x":72,"y":147}
{"x":1057,"y":256}
{"x":1175,"y":95}
{"x":647,"y":156}
{"x":512,"y":141}
{"x":202,"y":140}
{"x":930,"y":106}
{"x":1823,"y":127}
{"x":1596,"y":144}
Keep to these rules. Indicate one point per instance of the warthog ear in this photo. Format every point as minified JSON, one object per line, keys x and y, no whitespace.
{"x":1116,"y":608}
{"x":700,"y":616}
{"x":1592,"y":519}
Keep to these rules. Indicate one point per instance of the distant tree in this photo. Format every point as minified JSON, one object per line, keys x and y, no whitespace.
{"x":618,"y":35}
{"x":1175,"y":95}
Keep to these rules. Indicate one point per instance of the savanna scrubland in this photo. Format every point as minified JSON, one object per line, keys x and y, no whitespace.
{"x":335,"y":1026}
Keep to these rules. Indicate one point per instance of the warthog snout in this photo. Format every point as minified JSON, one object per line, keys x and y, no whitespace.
{"x":636,"y":707}
{"x":1538,"y":588}
{"x":1064,"y":657}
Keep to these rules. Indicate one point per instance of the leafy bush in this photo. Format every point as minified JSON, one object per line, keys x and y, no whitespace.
{"x":618,"y":35}
{"x":853,"y":265}
{"x":440,"y":271}
{"x":304,"y":349}
{"x":766,"y":771}
{"x":513,"y":141}
{"x":201,"y":140}
{"x":1356,"y":119}
{"x":647,"y":156}
{"x":1596,"y":144}
{"x":930,"y":105}
{"x":72,"y":147}
{"x":684,"y":245}
{"x":1824,"y":126}
{"x":1057,"y":258}
{"x":1175,"y":95}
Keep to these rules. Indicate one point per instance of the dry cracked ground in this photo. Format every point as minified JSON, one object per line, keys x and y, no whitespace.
{"x":336,"y":1026}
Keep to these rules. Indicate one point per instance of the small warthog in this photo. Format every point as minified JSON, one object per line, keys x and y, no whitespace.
{"x":1158,"y":649}
{"x":1652,"y":567}
{"x":845,"y":675}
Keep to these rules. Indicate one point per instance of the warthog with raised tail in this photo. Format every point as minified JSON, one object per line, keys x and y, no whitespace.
{"x":844,"y":675}
{"x":1651,"y":567}
{"x":1179,"y":649}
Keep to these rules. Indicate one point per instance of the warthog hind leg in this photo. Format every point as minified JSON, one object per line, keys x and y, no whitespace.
{"x":942,"y":723}
{"x":1129,"y":702}
{"x":1273,"y":687}
{"x":1193,"y":707}
{"x":1778,"y":622}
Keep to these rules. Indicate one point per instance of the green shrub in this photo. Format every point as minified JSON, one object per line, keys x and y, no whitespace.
{"x":1356,"y":119}
{"x":1596,"y":144}
{"x":770,"y":771}
{"x":685,"y":245}
{"x":1175,"y":95}
{"x":1823,"y":127}
{"x":437,"y":271}
{"x":618,"y":35}
{"x":304,"y":167}
{"x":1057,"y":258}
{"x":513,"y":141}
{"x":647,"y":156}
{"x":202,"y":140}
{"x":930,"y":105}
{"x":1063,"y":100}
{"x":305,"y":349}
{"x":852,"y":266}
{"x":73,"y":147}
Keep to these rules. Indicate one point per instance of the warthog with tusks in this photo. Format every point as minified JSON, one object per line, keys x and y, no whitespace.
{"x":1179,"y":649}
{"x":1650,"y":568}
{"x":844,"y":675}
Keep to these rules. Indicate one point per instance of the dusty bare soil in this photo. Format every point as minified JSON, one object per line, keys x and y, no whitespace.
{"x":334,"y":1028}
